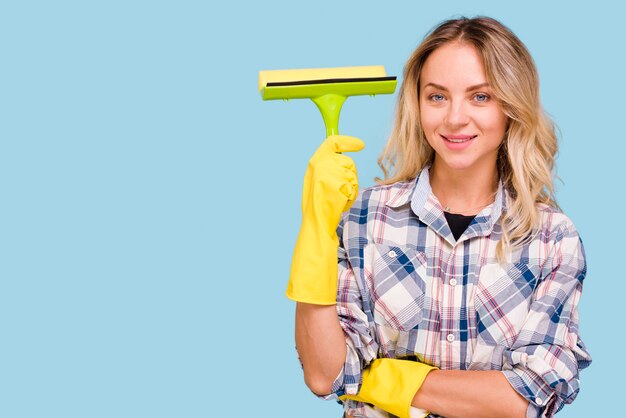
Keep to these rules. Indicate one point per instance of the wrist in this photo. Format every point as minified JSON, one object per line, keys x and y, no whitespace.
{"x":423,"y":397}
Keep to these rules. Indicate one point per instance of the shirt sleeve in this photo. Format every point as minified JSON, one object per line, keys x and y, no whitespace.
{"x":361,"y":347}
{"x":543,"y":364}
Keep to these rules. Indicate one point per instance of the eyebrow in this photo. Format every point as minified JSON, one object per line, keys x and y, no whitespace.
{"x":470,"y":88}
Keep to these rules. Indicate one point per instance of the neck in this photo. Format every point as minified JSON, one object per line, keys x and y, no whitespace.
{"x":463,"y":191}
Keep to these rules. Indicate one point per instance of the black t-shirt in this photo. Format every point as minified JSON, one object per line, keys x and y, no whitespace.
{"x":458,"y":223}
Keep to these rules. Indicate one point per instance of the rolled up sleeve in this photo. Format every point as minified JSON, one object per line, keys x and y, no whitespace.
{"x":544,"y":362}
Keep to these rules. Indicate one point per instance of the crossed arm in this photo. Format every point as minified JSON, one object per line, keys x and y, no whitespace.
{"x":450,"y":393}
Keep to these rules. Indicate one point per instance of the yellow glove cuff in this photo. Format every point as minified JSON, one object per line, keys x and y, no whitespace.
{"x":391,"y":384}
{"x":314,"y":270}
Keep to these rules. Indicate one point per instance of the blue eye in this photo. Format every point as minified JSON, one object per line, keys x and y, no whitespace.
{"x":481,"y":97}
{"x":436,"y":97}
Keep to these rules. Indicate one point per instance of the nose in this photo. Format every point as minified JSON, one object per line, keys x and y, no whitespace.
{"x":456,"y":114}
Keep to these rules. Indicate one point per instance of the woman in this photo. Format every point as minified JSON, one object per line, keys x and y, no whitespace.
{"x":458,"y":276}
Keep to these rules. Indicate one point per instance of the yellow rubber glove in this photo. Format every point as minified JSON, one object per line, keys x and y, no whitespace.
{"x":330,"y":187}
{"x":391,"y":384}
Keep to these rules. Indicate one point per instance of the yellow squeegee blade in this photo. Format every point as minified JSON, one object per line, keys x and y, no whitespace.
{"x":315,"y":82}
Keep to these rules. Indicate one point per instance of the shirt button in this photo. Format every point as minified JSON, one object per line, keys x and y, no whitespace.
{"x":392,"y":253}
{"x":450,"y":337}
{"x":539,"y":401}
{"x":452,"y":282}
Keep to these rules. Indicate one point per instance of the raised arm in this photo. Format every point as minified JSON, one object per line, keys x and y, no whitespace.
{"x":330,"y":187}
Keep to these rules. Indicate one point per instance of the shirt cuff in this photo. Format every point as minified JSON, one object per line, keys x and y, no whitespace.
{"x":541,"y":398}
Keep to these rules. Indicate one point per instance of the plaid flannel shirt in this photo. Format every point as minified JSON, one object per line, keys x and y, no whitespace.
{"x":408,"y":289}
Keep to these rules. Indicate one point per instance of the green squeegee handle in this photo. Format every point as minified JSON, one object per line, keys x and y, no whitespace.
{"x":330,"y":107}
{"x":329,"y":95}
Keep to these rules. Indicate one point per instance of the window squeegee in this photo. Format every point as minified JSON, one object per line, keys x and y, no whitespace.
{"x":327,"y":87}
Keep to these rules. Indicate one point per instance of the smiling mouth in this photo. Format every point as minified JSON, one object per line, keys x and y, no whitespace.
{"x":457,"y":139}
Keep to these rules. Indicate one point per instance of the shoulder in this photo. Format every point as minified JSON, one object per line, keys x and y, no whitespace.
{"x":560,"y":238}
{"x":556,"y":224}
{"x":374,"y":204}
{"x":392,"y":195}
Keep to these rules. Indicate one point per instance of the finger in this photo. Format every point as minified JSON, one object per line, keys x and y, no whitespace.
{"x":352,"y":190}
{"x":349,"y":190}
{"x":350,"y":185}
{"x":344,"y":161}
{"x":345,"y":143}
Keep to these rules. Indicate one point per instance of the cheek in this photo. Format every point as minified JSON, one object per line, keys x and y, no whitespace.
{"x":502,"y":129}
{"x":428,"y":119}
{"x":428,"y":126}
{"x":497,"y":121}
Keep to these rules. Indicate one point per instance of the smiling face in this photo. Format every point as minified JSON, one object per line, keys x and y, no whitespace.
{"x":463,"y":121}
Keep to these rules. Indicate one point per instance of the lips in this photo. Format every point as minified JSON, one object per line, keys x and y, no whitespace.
{"x":458,"y":139}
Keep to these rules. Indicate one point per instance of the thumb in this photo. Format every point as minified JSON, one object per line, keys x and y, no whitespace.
{"x":345,"y":143}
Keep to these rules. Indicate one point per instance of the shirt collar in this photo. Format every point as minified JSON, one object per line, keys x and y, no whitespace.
{"x":429,"y":210}
{"x":402,"y":195}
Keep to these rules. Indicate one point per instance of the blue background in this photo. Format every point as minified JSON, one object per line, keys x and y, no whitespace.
{"x":150,"y":198}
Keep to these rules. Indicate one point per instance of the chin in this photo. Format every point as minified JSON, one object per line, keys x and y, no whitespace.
{"x":458,"y":163}
{"x":468,"y":161}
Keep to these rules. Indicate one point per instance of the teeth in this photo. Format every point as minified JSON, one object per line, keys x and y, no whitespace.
{"x":458,"y":141}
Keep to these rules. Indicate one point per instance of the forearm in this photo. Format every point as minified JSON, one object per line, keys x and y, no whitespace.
{"x":321,"y":345}
{"x":469,"y":394}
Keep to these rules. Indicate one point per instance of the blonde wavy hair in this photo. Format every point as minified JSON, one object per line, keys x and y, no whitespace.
{"x":526,"y":157}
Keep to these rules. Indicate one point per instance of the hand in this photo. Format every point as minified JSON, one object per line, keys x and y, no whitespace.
{"x":330,"y":182}
{"x":330,"y":187}
{"x":391,"y":384}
